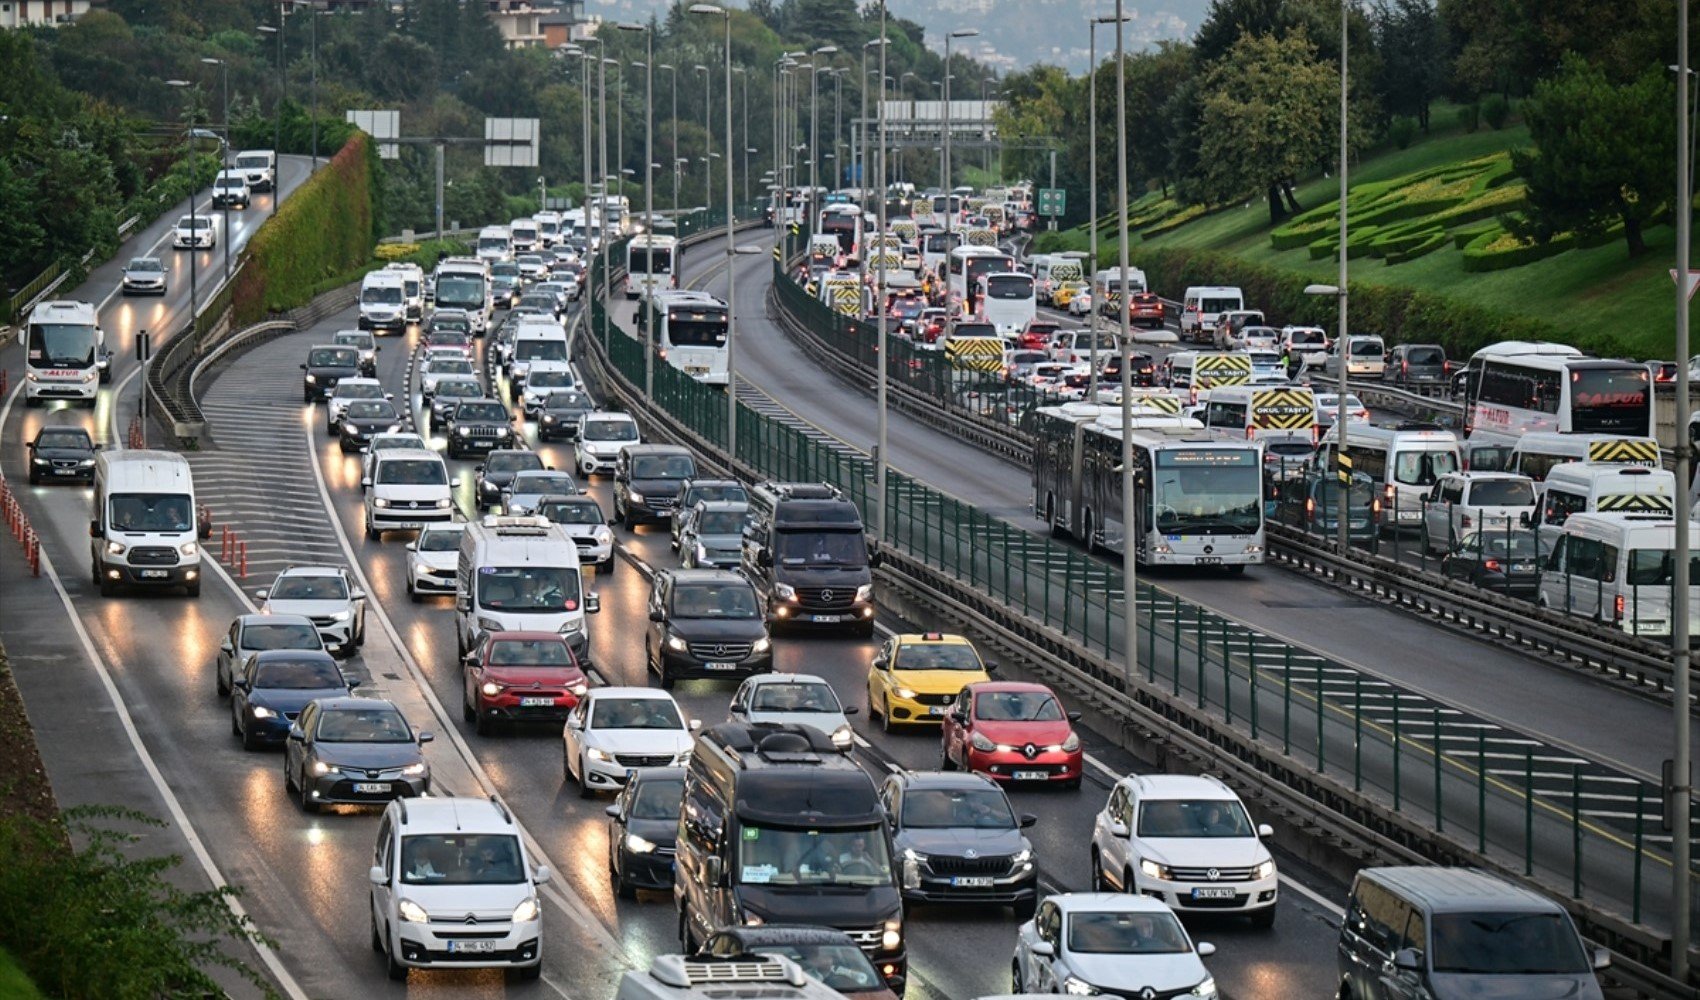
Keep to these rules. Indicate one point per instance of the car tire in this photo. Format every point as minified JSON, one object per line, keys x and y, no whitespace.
{"x":1099,"y":882}
{"x":482,"y":724}
{"x":221,"y":682}
{"x":377,"y":939}
{"x":623,"y":888}
{"x":1072,"y":785}
{"x":414,"y":595}
{"x":308,"y":806}
{"x":394,"y":969}
{"x":584,"y":789}
{"x":35,"y":480}
{"x":885,"y":716}
{"x":248,"y":740}
{"x":945,"y":763}
{"x":235,"y":722}
{"x":31,"y":402}
{"x":525,"y":973}
{"x":107,"y":587}
{"x":467,"y":711}
{"x":1015,"y":985}
{"x":1264,"y":919}
{"x":372,"y":533}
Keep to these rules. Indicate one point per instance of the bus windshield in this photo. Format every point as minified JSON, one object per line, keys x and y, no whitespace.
{"x":697,"y":332}
{"x":61,"y":345}
{"x":460,"y":292}
{"x":1208,"y":491}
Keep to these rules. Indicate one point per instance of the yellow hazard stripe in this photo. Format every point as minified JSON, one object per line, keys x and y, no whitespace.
{"x":1345,"y":461}
{"x":1626,"y":452}
{"x":1636,"y":502}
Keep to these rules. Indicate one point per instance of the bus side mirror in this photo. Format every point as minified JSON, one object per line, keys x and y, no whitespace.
{"x":94,"y":529}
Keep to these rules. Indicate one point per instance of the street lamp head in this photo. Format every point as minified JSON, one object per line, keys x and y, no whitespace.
{"x":666,"y":66}
{"x":877,"y":41}
{"x":630,"y":26}
{"x":571,"y":50}
{"x":266,"y":29}
{"x":177,"y":83}
{"x":709,"y":8}
{"x":1111,"y":19}
{"x":700,"y":68}
{"x":210,"y":61}
{"x":826,"y":50}
{"x":965,"y":33}
{"x":639,"y":64}
{"x":1322,"y":289}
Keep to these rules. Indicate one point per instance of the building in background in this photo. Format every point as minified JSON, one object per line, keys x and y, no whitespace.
{"x":38,"y":13}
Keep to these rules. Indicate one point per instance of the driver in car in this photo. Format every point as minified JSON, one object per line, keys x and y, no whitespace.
{"x":857,"y":860}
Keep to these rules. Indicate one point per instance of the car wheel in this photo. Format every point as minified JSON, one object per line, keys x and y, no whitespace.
{"x":623,"y":887}
{"x":107,"y":587}
{"x":1127,"y":880}
{"x":945,"y":763}
{"x":235,"y":721}
{"x":1073,"y":784}
{"x":35,"y":480}
{"x":395,"y":969}
{"x":222,"y":682}
{"x":1099,"y":884}
{"x":885,"y":716}
{"x":377,"y":940}
{"x":467,"y":711}
{"x":372,"y":533}
{"x":1015,"y":985}
{"x":584,"y":789}
{"x":525,"y":973}
{"x":1264,"y":919}
{"x":414,"y":595}
{"x":248,"y":740}
{"x":482,"y":724}
{"x":308,"y":805}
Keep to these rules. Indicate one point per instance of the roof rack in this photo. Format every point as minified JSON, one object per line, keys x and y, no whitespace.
{"x":501,"y":810}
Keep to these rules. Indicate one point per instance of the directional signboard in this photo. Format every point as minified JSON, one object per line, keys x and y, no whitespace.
{"x":1053,"y":201}
{"x":380,"y":125}
{"x":510,"y":142}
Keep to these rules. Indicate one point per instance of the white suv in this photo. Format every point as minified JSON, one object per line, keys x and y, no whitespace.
{"x":1187,"y":841}
{"x":325,"y":594}
{"x":453,"y":888}
{"x":407,"y":489}
{"x":601,"y":435}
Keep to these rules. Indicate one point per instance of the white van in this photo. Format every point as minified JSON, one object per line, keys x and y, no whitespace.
{"x":1051,"y":270}
{"x":1203,"y":306}
{"x":495,"y":243}
{"x":523,"y":235}
{"x":539,"y":343}
{"x":1463,"y":503}
{"x":549,"y":232}
{"x":521,"y":574}
{"x":1404,"y":463}
{"x":412,"y":288}
{"x":1283,"y":418}
{"x":1539,"y":451}
{"x":1617,"y":569}
{"x":145,"y":531}
{"x":1193,"y":374}
{"x":1366,"y":357}
{"x":406,"y":489}
{"x":1580,"y":488}
{"x":383,"y":302}
{"x":259,"y":168}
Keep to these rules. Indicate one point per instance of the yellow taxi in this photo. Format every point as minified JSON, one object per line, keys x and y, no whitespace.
{"x":1066,"y":291}
{"x":914,"y":678}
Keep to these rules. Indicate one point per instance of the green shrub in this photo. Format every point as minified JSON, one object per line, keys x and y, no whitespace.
{"x":1497,"y":250}
{"x":1496,"y":109}
{"x":1173,"y":222}
{"x":1401,"y":132}
{"x":1470,"y":116}
{"x":1433,"y":242}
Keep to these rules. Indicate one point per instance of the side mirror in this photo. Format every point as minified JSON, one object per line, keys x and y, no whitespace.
{"x":875,"y":558}
{"x":542,"y":874}
{"x":959,"y":717}
{"x":94,"y":529}
{"x":29,"y":446}
{"x":366,"y":482}
{"x":357,"y":595}
{"x":1027,"y":820}
{"x":613,"y":810}
{"x":1205,"y":949}
{"x":297,"y":734}
{"x":1408,"y":959}
{"x":375,"y":875}
{"x":764,"y":557}
{"x":852,"y":710}
{"x":1265,"y":831}
{"x":239,"y":682}
{"x":657,"y":616}
{"x":592,"y":603}
{"x":203,"y":529}
{"x":426,"y":738}
{"x":463,"y":602}
{"x":612,"y":522}
{"x":695,"y":724}
{"x":469,"y":659}
{"x":1118,"y":828}
{"x":880,"y":662}
{"x":226,"y":647}
{"x":389,"y":395}
{"x":478,"y":469}
{"x":303,"y":367}
{"x":1044,"y":949}
{"x":1074,"y":716}
{"x":991,"y":668}
{"x":413,"y":546}
{"x":262,"y":593}
{"x":1602,"y":958}
{"x":1523,"y":519}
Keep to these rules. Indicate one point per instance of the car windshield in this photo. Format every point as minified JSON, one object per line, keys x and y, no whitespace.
{"x":821,"y":548}
{"x":448,"y":331}
{"x":1126,"y":933}
{"x":635,"y":713}
{"x":413,"y":472}
{"x":1017,"y":706}
{"x":462,"y":859}
{"x":328,"y":358}
{"x":802,"y":696}
{"x":720,"y":522}
{"x":460,"y":289}
{"x":1657,"y":567}
{"x":663,"y":467}
{"x":549,"y":380}
{"x":265,"y":635}
{"x":359,"y":390}
{"x":565,"y":512}
{"x":841,"y":967}
{"x":253,"y":162}
{"x":715,"y":491}
{"x":321,"y":587}
{"x":146,"y":264}
{"x":533,"y":349}
{"x":937,"y":656}
{"x":363,"y":725}
{"x":1193,"y":818}
{"x":531,"y":653}
{"x":297,"y":675}
{"x":481,"y":413}
{"x":714,"y":600}
{"x":170,"y":512}
{"x":449,"y":366}
{"x":1009,"y":286}
{"x":356,"y":340}
{"x":68,"y":438}
{"x":198,"y":222}
{"x":1502,"y":493}
{"x":545,"y":589}
{"x":513,"y":461}
{"x":611,"y":430}
{"x":956,"y":808}
{"x":377,"y":409}
{"x":439,"y":541}
{"x":1425,"y":356}
{"x":658,"y":798}
{"x":461,"y":388}
{"x":1505,"y":944}
{"x":566,"y":400}
{"x":796,"y":857}
{"x":1521,"y":545}
{"x":387,"y":295}
{"x":544,"y":482}
{"x":1423,"y":468}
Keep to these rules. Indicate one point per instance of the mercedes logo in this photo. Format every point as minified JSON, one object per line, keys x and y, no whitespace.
{"x":720,"y":649}
{"x":1209,"y":549}
{"x":1147,"y":994}
{"x":1212,"y":874}
{"x":1030,"y":751}
{"x":826,"y":596}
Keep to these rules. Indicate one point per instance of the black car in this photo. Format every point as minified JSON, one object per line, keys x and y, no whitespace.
{"x":451,"y":392}
{"x":1143,"y":371}
{"x":558,"y":416}
{"x":826,"y":954}
{"x":353,"y":750}
{"x":643,"y":827}
{"x":1504,"y":561}
{"x":960,"y":841}
{"x":498,"y":471}
{"x":62,"y":455}
{"x":693,"y":490}
{"x":480,"y":425}
{"x":327,"y":364}
{"x":274,"y":686}
{"x":449,"y":321}
{"x":646,"y":481}
{"x":506,"y":290}
{"x":545,"y":301}
{"x":705,"y":623}
{"x":364,"y":418}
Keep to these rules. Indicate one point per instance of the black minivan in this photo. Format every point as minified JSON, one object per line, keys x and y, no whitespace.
{"x":808,"y":555}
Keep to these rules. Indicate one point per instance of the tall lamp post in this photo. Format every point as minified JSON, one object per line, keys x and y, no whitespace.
{"x":1130,"y":583}
{"x":224,"y":157}
{"x":959,"y":33}
{"x":648,"y":188}
{"x":1681,"y":763}
{"x":189,"y":131}
{"x":707,"y":138}
{"x":880,"y":391}
{"x":747,"y":150}
{"x":602,"y":203}
{"x":862,"y":85}
{"x":731,"y":249}
{"x":283,"y":92}
{"x":673,"y":76}
{"x":1092,"y":197}
{"x":584,"y":106}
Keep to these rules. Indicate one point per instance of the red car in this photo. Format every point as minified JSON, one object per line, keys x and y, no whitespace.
{"x":1146,"y":309}
{"x":1013,"y":731}
{"x":521,"y":677}
{"x":1037,"y":335}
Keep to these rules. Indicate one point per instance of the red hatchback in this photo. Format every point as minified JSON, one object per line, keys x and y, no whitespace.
{"x":1146,"y":309}
{"x":521,"y":677}
{"x":1037,"y":335}
{"x":1013,"y":731}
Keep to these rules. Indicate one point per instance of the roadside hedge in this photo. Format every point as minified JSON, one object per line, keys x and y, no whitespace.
{"x":323,"y":231}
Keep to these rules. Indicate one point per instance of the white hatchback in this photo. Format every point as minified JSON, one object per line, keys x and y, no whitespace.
{"x":617,"y":730}
{"x":432,"y":560}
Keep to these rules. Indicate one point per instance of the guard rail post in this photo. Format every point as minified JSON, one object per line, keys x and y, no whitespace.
{"x":1358,"y":732}
{"x":1435,"y":751}
{"x":1397,"y":784}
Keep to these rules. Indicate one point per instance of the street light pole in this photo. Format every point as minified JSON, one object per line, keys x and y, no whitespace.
{"x":707,"y":139}
{"x":224,"y":157}
{"x":881,"y":465}
{"x":602,"y":204}
{"x":313,"y":33}
{"x":747,"y":150}
{"x":648,"y":193}
{"x":731,"y":251}
{"x":1130,"y":546}
{"x":1681,"y":779}
{"x":194,"y":228}
{"x":282,"y":94}
{"x":673,"y":76}
{"x":961,"y":33}
{"x":837,"y":123}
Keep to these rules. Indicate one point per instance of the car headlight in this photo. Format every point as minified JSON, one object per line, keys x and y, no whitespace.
{"x":702,"y":553}
{"x":380,"y":502}
{"x":572,"y":625}
{"x":676,"y":644}
{"x":115,"y":548}
{"x":340,"y":616}
{"x":88,"y":376}
{"x":905,"y":693}
{"x":784,"y":591}
{"x":633,"y":496}
{"x":1022,"y":856}
{"x":462,"y":431}
{"x":415,"y":769}
{"x":393,"y":429}
{"x":320,"y":767}
{"x":491,"y":689}
{"x":548,"y":418}
{"x":1071,"y":744}
{"x":188,"y":548}
{"x":602,"y":535}
{"x":412,"y":912}
{"x":578,"y":688}
{"x":891,"y":938}
{"x":85,"y":463}
{"x":638,"y":845}
{"x":1152,"y":869}
{"x":979,"y":742}
{"x":865,"y":592}
{"x":1264,"y":870}
{"x":489,"y":624}
{"x":526,"y":910}
{"x":761,"y":645}
{"x":348,"y":428}
{"x":1076,"y":987}
{"x":262,"y":712}
{"x":42,"y":461}
{"x":595,"y":753}
{"x":1205,"y":990}
{"x":843,"y":736}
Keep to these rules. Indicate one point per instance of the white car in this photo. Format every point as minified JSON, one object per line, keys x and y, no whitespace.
{"x":1087,"y":943}
{"x":616,"y":730}
{"x":436,"y":369}
{"x":601,"y":435}
{"x":193,"y":232}
{"x":581,"y":517}
{"x":1080,"y":304}
{"x":540,"y":383}
{"x":382,"y":442}
{"x":327,"y":596}
{"x":1328,"y":408}
{"x":347,"y":391}
{"x":1185,"y":840}
{"x":1464,"y":503}
{"x":432,"y":559}
{"x":442,"y":864}
{"x":803,"y":699}
{"x":144,"y":276}
{"x":407,"y":490}
{"x":528,"y":486}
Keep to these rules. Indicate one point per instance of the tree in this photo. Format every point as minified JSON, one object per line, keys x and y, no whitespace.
{"x":1604,"y":153}
{"x":1153,"y":78}
{"x":1412,"y":47}
{"x":1269,"y":112}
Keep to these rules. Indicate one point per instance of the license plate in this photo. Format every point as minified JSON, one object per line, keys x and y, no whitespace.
{"x":1522,"y":568}
{"x":470,"y":947}
{"x":825,"y":618}
{"x":370,"y":787}
{"x":721,"y":666}
{"x":971,"y":881}
{"x":1209,"y":560}
{"x":1410,"y":515}
{"x":1029,"y":775}
{"x":64,"y":472}
{"x":536,"y":702}
{"x":935,"y":710}
{"x":1213,"y":893}
{"x":152,"y":574}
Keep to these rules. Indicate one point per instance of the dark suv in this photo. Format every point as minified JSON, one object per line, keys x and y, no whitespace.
{"x":1417,"y":364}
{"x":498,"y":471}
{"x":963,"y":841}
{"x":327,"y":364}
{"x":646,"y":481}
{"x":480,"y":425}
{"x":705,"y":623}
{"x":691,"y":491}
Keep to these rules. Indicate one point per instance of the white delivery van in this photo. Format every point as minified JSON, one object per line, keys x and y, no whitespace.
{"x":412,"y":288}
{"x":495,"y":243}
{"x":549,"y":232}
{"x":1463,"y":503}
{"x":520,"y":574}
{"x":383,"y":302}
{"x":1203,"y":306}
{"x":406,"y":489}
{"x":1536,"y":452}
{"x":539,"y":343}
{"x":1580,"y":488}
{"x":259,"y":168}
{"x":1283,"y":418}
{"x":1617,"y":569}
{"x":1404,"y":462}
{"x":523,"y":234}
{"x":464,"y":283}
{"x":145,"y":531}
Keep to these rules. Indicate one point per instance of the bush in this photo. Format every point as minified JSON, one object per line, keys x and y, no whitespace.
{"x":1470,"y":116}
{"x":1401,"y":132}
{"x":1496,"y":110}
{"x":1412,"y":251}
{"x":1497,"y":250}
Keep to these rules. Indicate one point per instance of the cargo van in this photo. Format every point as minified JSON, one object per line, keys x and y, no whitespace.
{"x":146,"y":529}
{"x":495,"y":243}
{"x":1617,"y":569}
{"x":1538,"y":451}
{"x":1203,"y":306}
{"x":412,"y":287}
{"x":523,"y":233}
{"x":540,"y":343}
{"x":1579,"y":488}
{"x":258,"y":168}
{"x":1404,"y":462}
{"x":1429,"y":933}
{"x":406,"y":489}
{"x":521,"y":574}
{"x":805,"y":549}
{"x":383,"y":302}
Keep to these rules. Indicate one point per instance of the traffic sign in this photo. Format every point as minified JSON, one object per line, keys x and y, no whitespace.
{"x":1693,"y":280}
{"x":379,"y":125}
{"x":510,"y":142}
{"x":1053,"y":201}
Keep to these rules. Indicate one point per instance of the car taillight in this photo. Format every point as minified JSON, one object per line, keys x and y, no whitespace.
{"x":1310,"y":508}
{"x":1491,"y":565}
{"x":1250,"y":433}
{"x":1464,"y":521}
{"x":1405,"y":365}
{"x":1618,"y":607}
